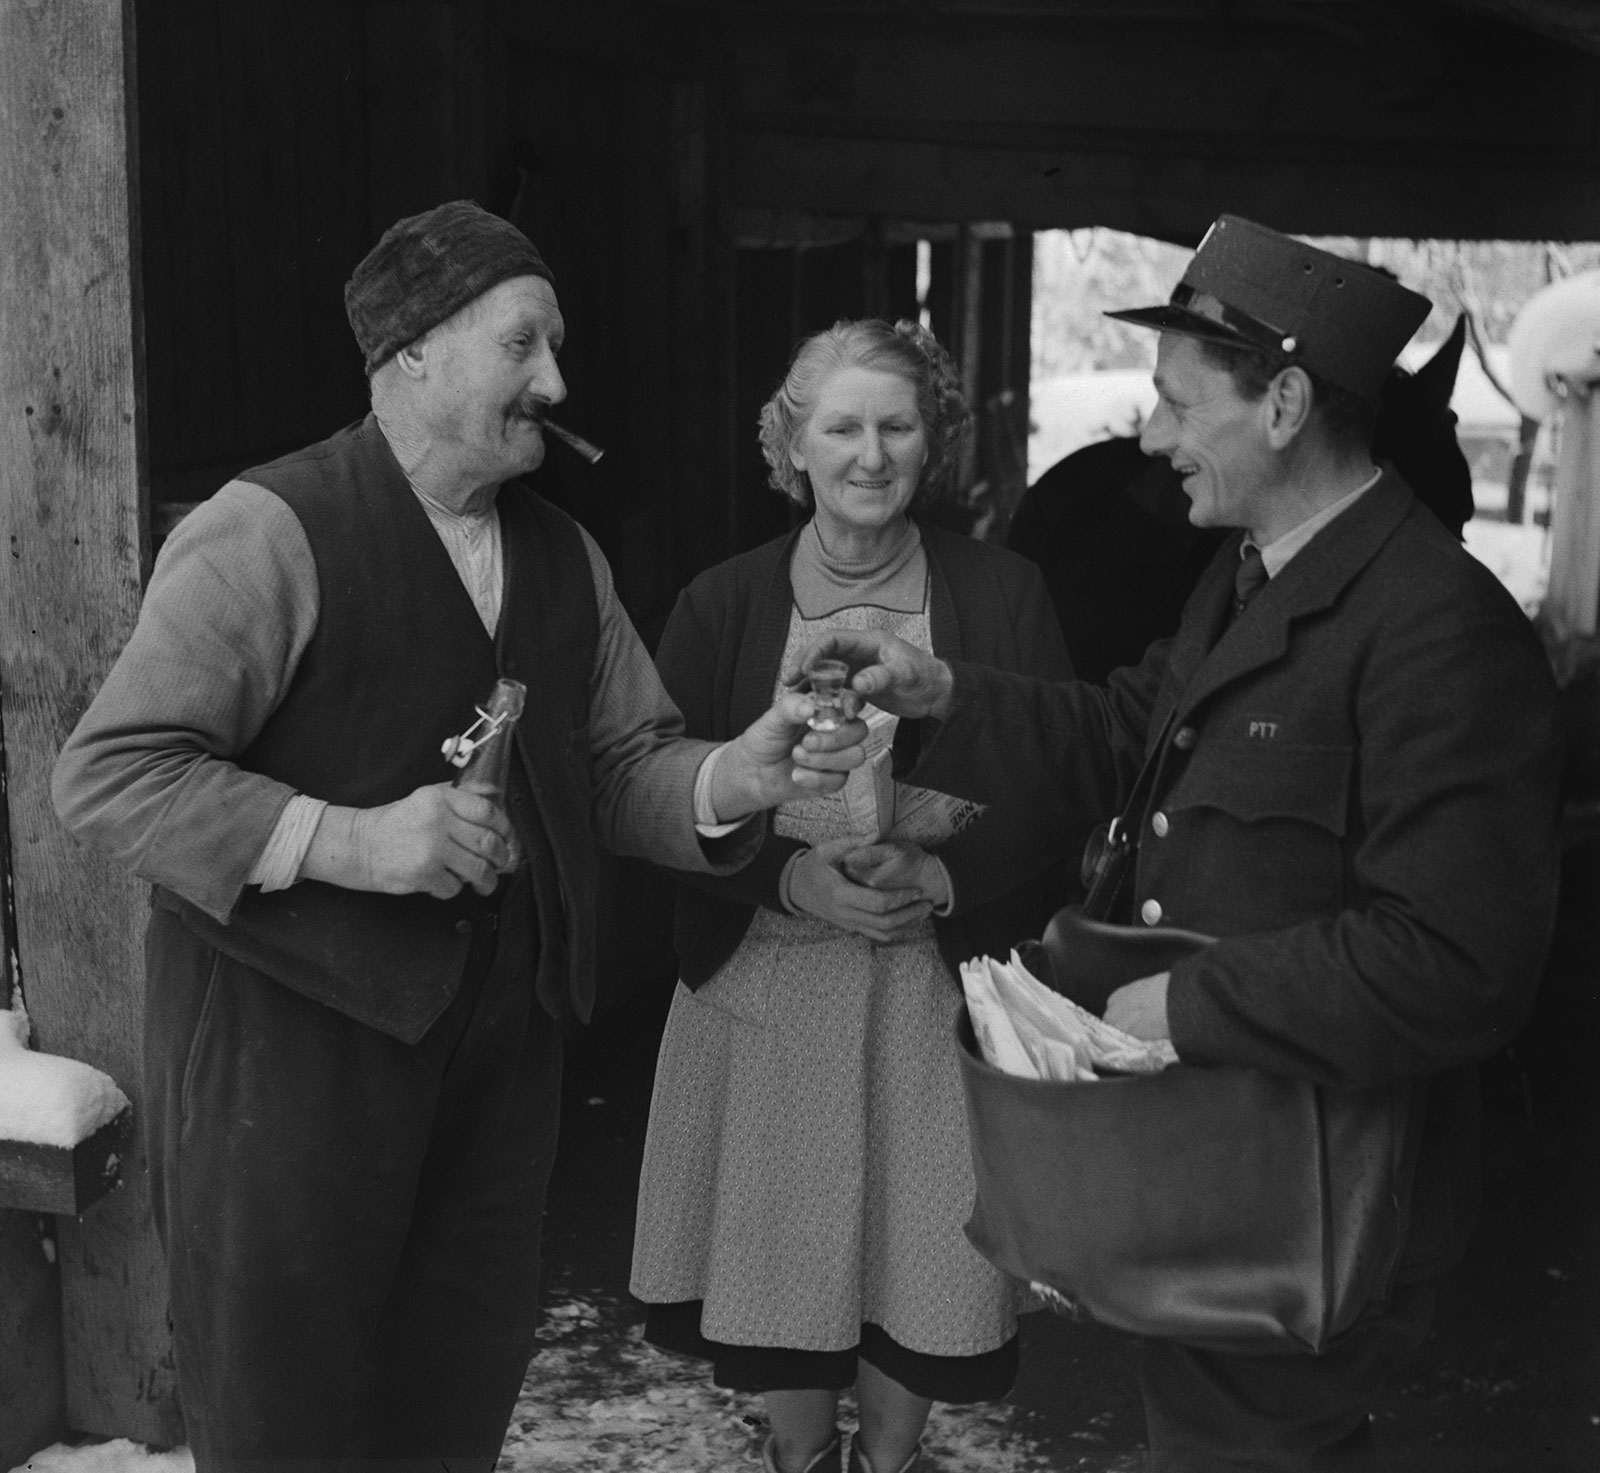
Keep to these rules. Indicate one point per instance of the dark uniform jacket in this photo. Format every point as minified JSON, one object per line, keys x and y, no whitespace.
{"x":719,"y":659}
{"x":1356,"y":791}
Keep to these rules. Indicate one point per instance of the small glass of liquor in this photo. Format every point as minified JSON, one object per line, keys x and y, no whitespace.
{"x":829,"y":680}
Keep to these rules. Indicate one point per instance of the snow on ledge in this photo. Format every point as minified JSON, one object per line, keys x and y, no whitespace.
{"x":120,"y":1456}
{"x":47,"y":1100}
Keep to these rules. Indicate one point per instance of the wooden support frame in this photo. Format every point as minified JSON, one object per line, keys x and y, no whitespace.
{"x":65,"y":1179}
{"x":73,"y":531}
{"x":1572,"y":605}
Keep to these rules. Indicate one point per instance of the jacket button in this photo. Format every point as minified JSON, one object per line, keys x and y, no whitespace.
{"x":463,"y":928}
{"x":1159,"y":825}
{"x":1150,"y":912}
{"x":1184,"y":738}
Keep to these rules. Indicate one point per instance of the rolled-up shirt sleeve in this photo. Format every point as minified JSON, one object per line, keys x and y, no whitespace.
{"x":150,"y":775}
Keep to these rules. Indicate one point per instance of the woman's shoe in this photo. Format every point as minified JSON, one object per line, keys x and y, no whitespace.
{"x":858,"y":1460}
{"x":827,"y":1461}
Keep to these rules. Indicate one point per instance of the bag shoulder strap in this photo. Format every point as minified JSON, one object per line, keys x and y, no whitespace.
{"x":1119,"y":841}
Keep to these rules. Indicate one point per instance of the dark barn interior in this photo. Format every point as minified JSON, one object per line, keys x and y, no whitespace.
{"x":708,"y":181}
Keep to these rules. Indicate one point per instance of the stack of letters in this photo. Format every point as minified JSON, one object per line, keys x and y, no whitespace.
{"x":1023,"y":1027}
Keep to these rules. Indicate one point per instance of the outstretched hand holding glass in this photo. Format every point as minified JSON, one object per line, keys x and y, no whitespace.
{"x":895,"y":676}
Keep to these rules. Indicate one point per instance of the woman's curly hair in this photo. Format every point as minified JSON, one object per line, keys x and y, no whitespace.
{"x":906,"y":348}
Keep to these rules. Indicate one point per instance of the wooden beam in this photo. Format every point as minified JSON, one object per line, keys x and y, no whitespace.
{"x":1573,"y":22}
{"x":73,"y":533}
{"x":1456,"y":82}
{"x":1398,"y":122}
{"x":1173,"y":194}
{"x":67,"y":1180}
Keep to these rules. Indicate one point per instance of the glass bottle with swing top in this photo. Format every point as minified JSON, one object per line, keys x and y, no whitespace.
{"x":481,"y":755}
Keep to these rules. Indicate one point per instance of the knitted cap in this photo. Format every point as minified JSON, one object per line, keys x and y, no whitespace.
{"x":426,"y":268}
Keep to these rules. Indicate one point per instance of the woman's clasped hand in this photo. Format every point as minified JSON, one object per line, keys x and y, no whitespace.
{"x":881,"y":891}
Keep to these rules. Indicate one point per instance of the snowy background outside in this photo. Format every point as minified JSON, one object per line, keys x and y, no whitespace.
{"x":1091,"y":375}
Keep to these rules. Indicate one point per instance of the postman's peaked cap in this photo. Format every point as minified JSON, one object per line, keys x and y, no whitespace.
{"x":426,"y":268}
{"x":1249,"y":286}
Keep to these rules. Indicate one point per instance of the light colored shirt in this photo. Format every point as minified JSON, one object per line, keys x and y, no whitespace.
{"x":475,"y":546}
{"x":1275,"y":556}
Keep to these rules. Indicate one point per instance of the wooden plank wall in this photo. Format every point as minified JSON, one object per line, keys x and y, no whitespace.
{"x":1380,"y":121}
{"x":619,"y":148}
{"x":73,"y":520}
{"x":279,"y":139}
{"x":615,"y":137}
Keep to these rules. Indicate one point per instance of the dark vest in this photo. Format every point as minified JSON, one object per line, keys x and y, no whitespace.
{"x":397,"y":663}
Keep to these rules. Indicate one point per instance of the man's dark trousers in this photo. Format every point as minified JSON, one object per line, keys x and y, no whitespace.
{"x":351,"y":1224}
{"x":1210,"y":1412}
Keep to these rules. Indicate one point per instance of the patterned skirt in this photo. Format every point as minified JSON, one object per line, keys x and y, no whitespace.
{"x":806,"y":1170}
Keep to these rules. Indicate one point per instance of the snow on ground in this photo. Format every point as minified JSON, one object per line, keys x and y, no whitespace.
{"x":598,"y":1399}
{"x":120,"y":1456}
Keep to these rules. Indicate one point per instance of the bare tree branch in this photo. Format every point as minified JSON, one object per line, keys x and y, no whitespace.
{"x":1472,"y":309}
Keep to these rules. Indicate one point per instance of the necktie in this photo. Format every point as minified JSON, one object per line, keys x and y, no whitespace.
{"x":1250,"y":579}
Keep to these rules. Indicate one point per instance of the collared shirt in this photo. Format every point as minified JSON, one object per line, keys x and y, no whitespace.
{"x":475,"y":546}
{"x":1275,"y":555}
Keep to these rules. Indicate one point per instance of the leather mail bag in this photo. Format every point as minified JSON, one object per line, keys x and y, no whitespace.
{"x":1223,"y":1207}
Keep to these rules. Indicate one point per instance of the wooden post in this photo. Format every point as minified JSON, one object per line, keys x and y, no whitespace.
{"x":969,"y":342}
{"x":33,"y":1393}
{"x":1572,"y":604}
{"x":73,"y":532}
{"x":1008,"y":342}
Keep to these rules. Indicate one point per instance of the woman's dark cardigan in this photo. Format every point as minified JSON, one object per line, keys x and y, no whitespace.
{"x":719,"y":658}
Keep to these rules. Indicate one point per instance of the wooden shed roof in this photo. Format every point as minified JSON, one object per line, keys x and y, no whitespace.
{"x":1460,"y":118}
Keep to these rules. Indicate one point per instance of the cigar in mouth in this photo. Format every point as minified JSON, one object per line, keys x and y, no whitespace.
{"x":586,"y":448}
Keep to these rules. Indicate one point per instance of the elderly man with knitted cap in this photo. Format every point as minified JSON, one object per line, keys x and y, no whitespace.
{"x":356,"y":971}
{"x":1342,"y":767}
